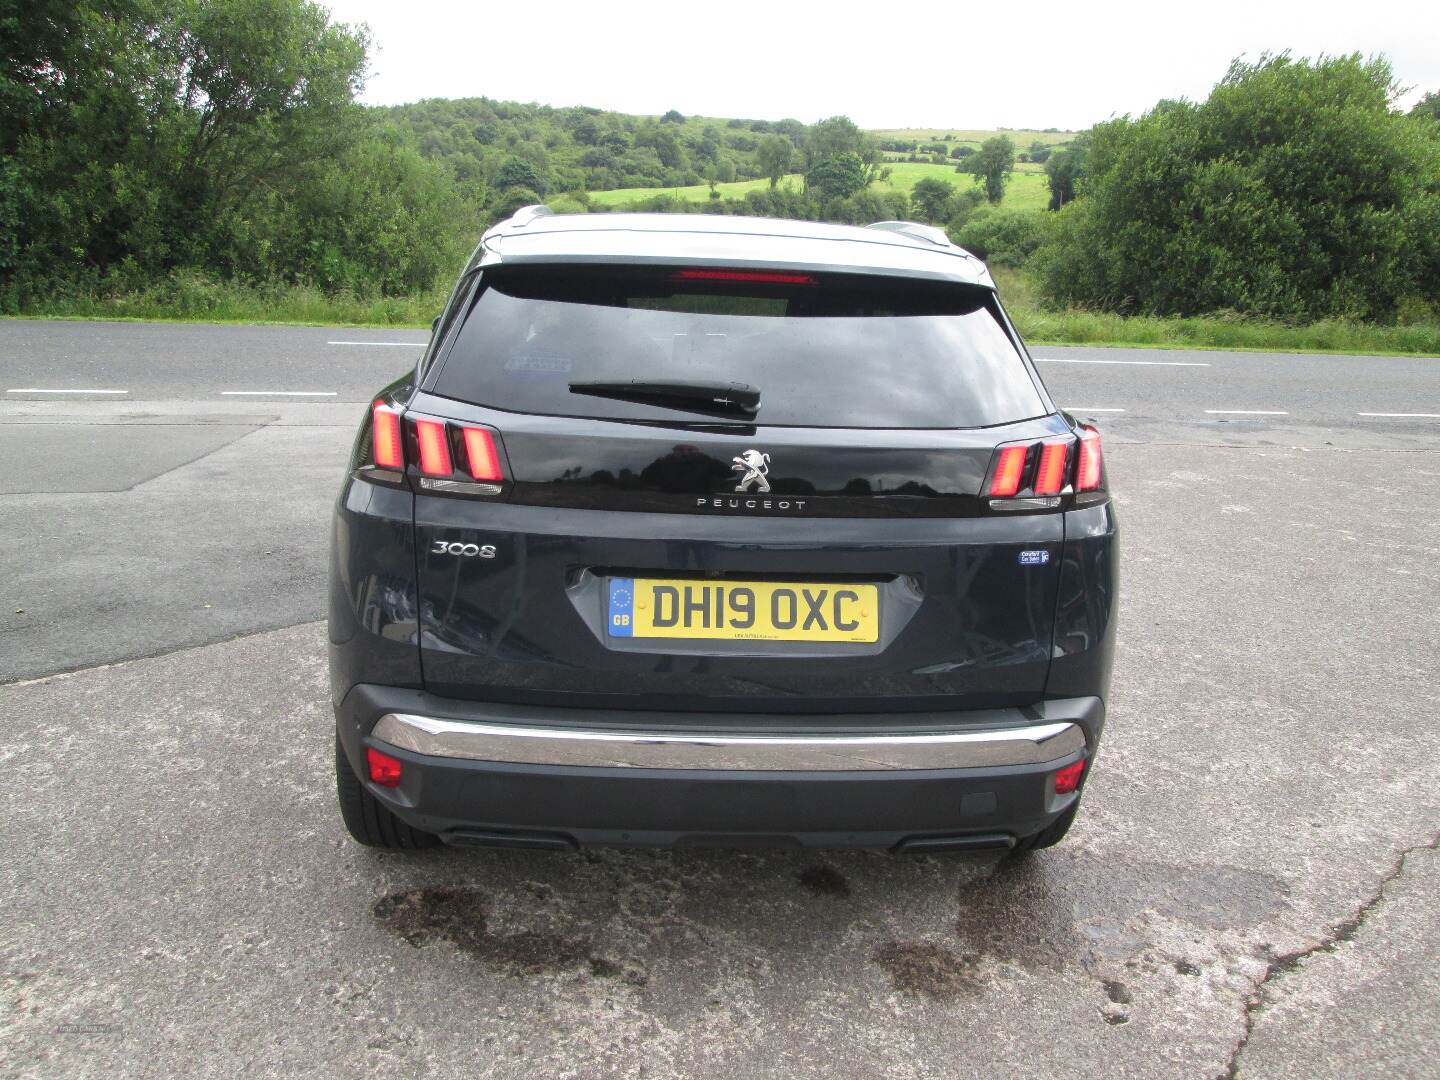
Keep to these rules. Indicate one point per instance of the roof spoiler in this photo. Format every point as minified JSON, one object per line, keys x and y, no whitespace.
{"x":527,"y":214}
{"x":928,"y":233}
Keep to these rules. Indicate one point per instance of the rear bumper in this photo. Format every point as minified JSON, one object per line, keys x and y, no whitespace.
{"x":530,"y":776}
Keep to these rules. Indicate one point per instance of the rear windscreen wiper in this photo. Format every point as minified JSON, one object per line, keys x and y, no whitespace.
{"x":679,"y":394}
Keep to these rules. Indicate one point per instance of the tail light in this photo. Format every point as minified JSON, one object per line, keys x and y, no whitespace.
{"x":1009,"y":468}
{"x":389,"y":451}
{"x":1050,"y":476}
{"x":460,"y":458}
{"x":433,"y":440}
{"x":1034,"y":475}
{"x":482,"y":459}
{"x":1088,"y":472}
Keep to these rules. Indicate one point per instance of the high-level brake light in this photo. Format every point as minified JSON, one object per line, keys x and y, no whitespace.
{"x":1087,"y":472}
{"x":385,"y":437}
{"x":1008,"y":469}
{"x":434,"y":448}
{"x":760,"y":277}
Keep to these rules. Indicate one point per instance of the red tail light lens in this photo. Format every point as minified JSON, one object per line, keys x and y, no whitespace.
{"x":384,"y":769}
{"x":1050,"y":477}
{"x":1068,"y":778}
{"x":389,"y":451}
{"x":1087,"y":472}
{"x":483,"y":458}
{"x":434,"y":448}
{"x":1009,"y":466}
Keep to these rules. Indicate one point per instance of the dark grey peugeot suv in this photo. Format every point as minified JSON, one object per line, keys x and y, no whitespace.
{"x":727,"y":531}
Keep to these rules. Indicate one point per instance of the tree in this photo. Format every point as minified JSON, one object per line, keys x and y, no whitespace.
{"x":518,"y":173}
{"x":1293,"y":191}
{"x":1063,"y":169}
{"x":1039,"y":152}
{"x":149,"y":135}
{"x":663,"y":141}
{"x":831,"y":138}
{"x":992,"y":166}
{"x":836,"y":177}
{"x":773,"y":156}
{"x":932,"y":197}
{"x":1429,"y":106}
{"x":672,"y":117}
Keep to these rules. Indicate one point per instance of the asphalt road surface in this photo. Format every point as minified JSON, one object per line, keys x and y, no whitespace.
{"x":1248,"y":890}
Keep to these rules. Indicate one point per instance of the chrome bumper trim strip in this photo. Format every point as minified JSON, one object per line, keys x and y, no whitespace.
{"x":513,"y":743}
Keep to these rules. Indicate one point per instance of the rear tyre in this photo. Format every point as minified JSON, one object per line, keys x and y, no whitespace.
{"x":367,"y":819}
{"x":1049,"y":836}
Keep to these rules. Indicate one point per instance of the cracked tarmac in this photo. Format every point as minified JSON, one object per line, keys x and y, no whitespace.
{"x":1248,"y":891}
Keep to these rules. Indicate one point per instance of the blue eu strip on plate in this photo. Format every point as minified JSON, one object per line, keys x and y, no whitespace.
{"x":620,"y":617}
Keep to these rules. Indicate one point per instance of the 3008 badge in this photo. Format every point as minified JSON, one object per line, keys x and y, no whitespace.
{"x":466,"y":551}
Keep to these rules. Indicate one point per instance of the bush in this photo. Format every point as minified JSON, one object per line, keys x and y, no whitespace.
{"x":1292,"y":192}
{"x":1004,"y":237}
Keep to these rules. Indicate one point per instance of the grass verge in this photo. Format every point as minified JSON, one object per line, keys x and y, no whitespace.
{"x":187,"y":297}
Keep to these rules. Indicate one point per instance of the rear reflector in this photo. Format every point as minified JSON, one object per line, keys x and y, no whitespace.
{"x":1087,"y":473}
{"x":483,"y":461}
{"x":434,"y":448}
{"x":1008,"y":468}
{"x":385,"y":437}
{"x":384,"y":769}
{"x":1051,"y":476}
{"x":761,"y":277}
{"x":1068,"y":778}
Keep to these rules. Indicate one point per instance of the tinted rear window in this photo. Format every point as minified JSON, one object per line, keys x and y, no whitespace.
{"x":831,"y":351}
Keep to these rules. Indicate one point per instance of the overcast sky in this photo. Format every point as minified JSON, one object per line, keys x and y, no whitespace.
{"x":911,"y":64}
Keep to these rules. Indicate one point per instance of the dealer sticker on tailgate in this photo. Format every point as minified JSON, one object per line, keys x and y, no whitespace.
{"x":744,"y":610}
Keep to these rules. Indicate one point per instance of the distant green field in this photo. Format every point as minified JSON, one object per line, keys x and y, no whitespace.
{"x":1027,"y":190}
{"x":694,"y":193}
{"x":970,"y":137}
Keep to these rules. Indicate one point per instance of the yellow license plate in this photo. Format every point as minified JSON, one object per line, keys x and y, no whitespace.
{"x":743,"y":610}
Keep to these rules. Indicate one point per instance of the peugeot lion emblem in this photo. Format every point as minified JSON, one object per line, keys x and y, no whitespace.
{"x":754,"y":465}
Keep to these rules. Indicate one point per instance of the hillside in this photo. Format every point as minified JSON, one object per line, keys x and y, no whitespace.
{"x":550,"y":151}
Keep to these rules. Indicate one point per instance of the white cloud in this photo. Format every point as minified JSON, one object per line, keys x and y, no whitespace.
{"x":943,"y":65}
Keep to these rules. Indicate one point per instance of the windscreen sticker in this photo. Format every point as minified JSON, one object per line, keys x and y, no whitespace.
{"x":536,"y":364}
{"x":1034,"y":558}
{"x":622,"y":607}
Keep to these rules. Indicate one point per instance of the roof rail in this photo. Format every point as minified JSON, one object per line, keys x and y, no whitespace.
{"x":915,"y":229}
{"x":526,"y":214}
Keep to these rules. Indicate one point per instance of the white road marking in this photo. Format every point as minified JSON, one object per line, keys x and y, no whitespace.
{"x":1407,"y":415}
{"x":278,"y":393}
{"x":1136,"y":363}
{"x":400,"y":344}
{"x":1083,"y":408}
{"x":33,"y":390}
{"x":1245,"y":412}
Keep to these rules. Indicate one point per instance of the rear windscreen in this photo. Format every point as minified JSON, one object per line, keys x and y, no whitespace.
{"x":823,"y":350}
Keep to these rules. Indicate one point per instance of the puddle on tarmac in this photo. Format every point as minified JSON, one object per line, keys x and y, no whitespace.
{"x":924,"y":967}
{"x":427,"y":916}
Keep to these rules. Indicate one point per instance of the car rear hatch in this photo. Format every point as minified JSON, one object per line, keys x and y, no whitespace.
{"x":606,"y":517}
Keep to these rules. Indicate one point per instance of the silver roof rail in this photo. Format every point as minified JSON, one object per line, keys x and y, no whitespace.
{"x":526,"y":214}
{"x":915,"y":229}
